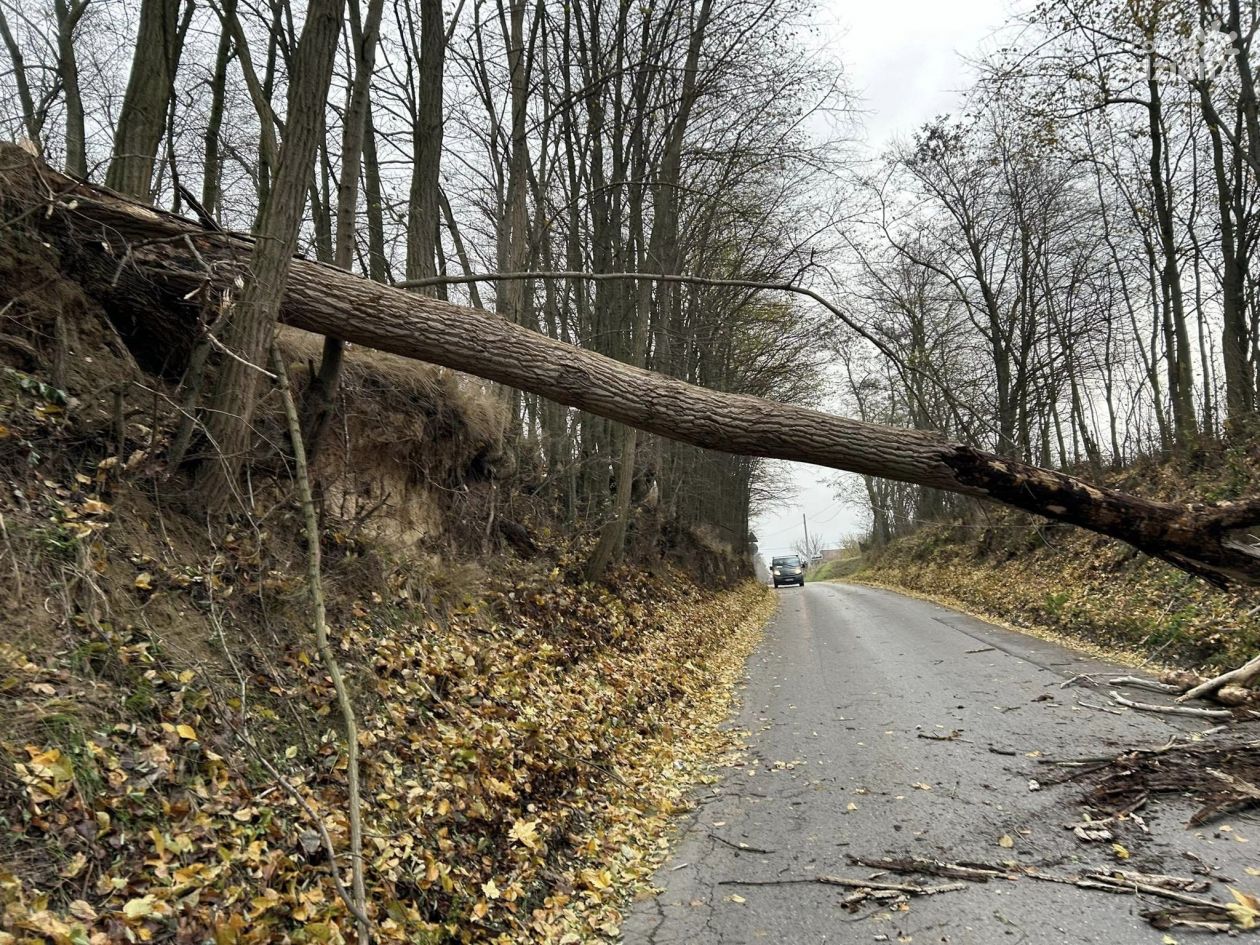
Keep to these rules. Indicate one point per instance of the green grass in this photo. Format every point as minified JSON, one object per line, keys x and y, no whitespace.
{"x":832,"y":570}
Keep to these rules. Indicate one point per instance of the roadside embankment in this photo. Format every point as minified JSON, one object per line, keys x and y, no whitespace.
{"x":1090,"y":590}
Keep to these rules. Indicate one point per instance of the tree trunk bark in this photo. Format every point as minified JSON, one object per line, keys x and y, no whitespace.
{"x":68,"y":17}
{"x":96,"y":229}
{"x":423,"y":211}
{"x":212,"y":169}
{"x":143,"y":116}
{"x":322,"y":393}
{"x":252,"y":325}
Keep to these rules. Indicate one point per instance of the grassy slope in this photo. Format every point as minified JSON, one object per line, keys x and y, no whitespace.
{"x":834,"y":570}
{"x":1090,"y":589}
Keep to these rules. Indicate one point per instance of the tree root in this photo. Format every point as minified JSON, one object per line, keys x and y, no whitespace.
{"x":1244,"y":675}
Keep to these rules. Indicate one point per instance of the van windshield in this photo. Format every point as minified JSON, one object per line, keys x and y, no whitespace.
{"x":790,"y":562}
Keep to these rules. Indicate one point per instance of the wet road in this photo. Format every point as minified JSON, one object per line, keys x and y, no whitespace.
{"x":838,"y":700}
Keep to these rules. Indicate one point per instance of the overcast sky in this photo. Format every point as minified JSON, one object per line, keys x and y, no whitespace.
{"x":905,"y":59}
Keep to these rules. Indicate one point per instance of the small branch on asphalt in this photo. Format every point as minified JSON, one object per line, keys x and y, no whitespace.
{"x":1137,"y":682}
{"x":1112,"y":883}
{"x":910,"y":889}
{"x":979,"y":873}
{"x":741,"y":847}
{"x":954,"y":736}
{"x":1242,"y":676}
{"x":1163,"y":880}
{"x":1172,"y":709}
{"x":1087,"y":677}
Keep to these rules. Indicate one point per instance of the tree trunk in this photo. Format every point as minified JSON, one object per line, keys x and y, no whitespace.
{"x":68,"y":71}
{"x":149,"y":88}
{"x":1177,"y":343}
{"x":252,"y":325}
{"x":423,"y":209}
{"x":322,"y":393}
{"x":212,"y":169}
{"x":146,"y":300}
{"x":377,"y":263}
{"x":1234,"y":341}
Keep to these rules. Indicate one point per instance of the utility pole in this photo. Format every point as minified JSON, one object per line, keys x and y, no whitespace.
{"x":808,"y":547}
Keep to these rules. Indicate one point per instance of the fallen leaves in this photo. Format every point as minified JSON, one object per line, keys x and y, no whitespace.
{"x":524,"y":761}
{"x":525,"y":832}
{"x":1245,"y":909}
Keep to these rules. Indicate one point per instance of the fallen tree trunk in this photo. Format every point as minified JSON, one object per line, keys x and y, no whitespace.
{"x":154,"y":271}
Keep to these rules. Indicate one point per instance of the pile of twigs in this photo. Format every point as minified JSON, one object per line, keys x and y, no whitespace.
{"x":1221,"y":776}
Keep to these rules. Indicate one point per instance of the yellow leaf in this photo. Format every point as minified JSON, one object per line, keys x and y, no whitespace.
{"x":490,"y":890}
{"x":187,"y":731}
{"x":851,"y":806}
{"x":1006,"y":841}
{"x":1244,"y":910}
{"x":1120,"y":851}
{"x":138,"y":908}
{"x":1251,"y":871}
{"x":144,"y":581}
{"x":525,"y":832}
{"x":74,"y":867}
{"x":598,"y":880}
{"x":51,"y":764}
{"x":95,"y":507}
{"x":291,"y":751}
{"x":738,"y":899}
{"x":83,"y":910}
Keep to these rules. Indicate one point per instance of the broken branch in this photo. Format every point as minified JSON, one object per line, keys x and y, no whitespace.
{"x":1244,"y":675}
{"x":1172,"y":709}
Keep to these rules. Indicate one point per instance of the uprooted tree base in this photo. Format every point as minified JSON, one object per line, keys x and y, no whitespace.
{"x":164,"y":279}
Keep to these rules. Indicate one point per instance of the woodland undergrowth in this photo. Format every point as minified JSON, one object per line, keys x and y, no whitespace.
{"x":170,"y":742}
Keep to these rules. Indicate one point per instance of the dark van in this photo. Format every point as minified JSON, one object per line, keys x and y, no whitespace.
{"x":788,"y":570}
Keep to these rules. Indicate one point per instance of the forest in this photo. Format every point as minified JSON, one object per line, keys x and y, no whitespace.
{"x":1065,"y":285}
{"x":448,"y":143}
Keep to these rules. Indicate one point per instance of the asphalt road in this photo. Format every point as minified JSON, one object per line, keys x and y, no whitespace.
{"x":836,"y":699}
